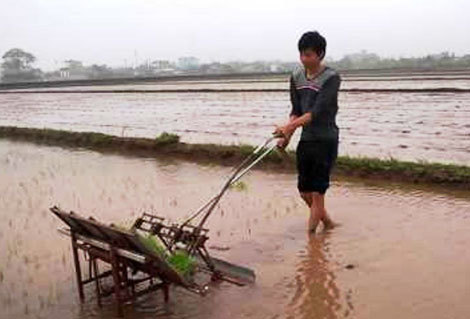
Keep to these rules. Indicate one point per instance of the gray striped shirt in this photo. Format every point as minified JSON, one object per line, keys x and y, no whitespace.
{"x":318,"y":96}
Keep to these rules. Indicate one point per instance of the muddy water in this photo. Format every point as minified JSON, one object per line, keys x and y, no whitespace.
{"x":411,"y":126}
{"x":400,"y":252}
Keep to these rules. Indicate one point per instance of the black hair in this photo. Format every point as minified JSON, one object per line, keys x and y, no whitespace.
{"x":314,"y":41}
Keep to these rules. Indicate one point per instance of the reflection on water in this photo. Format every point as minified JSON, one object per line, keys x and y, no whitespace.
{"x":317,"y":295}
{"x":402,"y":242}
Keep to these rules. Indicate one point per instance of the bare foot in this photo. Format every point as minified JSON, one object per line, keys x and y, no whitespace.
{"x":311,"y":231}
{"x":330,"y":225}
{"x":312,"y":235}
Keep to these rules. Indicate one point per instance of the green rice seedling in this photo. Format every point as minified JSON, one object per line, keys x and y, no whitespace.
{"x":153,"y":244}
{"x":239,"y":186}
{"x":182,"y":262}
{"x":125,"y":225}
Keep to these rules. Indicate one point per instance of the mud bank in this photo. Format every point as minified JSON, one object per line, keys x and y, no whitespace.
{"x":168,"y":145}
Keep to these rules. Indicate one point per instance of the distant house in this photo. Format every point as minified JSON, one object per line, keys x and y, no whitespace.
{"x":254,"y":67}
{"x":274,"y":68}
{"x":216,"y":68}
{"x":161,"y":64}
{"x":73,"y":74}
{"x":74,"y":70}
{"x":162,"y":67}
{"x":64,"y":73}
{"x":188,"y":63}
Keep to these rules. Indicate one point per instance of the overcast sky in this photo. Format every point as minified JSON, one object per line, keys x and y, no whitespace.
{"x":111,"y":31}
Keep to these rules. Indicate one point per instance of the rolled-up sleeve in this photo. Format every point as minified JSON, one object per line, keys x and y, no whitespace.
{"x":328,"y":95}
{"x":294,"y":98}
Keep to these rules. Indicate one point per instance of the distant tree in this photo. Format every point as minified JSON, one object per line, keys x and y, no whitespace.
{"x":17,"y":59}
{"x":17,"y":66}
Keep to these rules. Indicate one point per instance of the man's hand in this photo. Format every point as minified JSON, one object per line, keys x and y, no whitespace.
{"x":294,"y":122}
{"x":283,"y":142}
{"x":285,"y":131}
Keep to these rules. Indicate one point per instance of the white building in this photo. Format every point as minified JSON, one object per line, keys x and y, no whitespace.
{"x":188,"y":63}
{"x":161,"y":64}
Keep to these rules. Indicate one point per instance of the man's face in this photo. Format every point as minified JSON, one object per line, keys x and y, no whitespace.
{"x":309,"y":58}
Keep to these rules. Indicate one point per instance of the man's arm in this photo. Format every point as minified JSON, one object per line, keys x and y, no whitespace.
{"x":285,"y":139}
{"x":292,"y":118}
{"x":294,"y":113}
{"x":294,"y":99}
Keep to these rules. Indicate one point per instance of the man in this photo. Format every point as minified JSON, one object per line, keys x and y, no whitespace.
{"x":314,"y":97}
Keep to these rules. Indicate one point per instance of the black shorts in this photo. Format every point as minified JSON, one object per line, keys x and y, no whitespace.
{"x":315,"y":160}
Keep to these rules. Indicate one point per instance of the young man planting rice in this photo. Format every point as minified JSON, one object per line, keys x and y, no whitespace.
{"x":314,"y":97}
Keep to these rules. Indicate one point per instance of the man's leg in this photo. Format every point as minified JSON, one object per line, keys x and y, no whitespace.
{"x":319,"y":201}
{"x":315,"y":211}
{"x":307,"y":197}
{"x":316,"y":202}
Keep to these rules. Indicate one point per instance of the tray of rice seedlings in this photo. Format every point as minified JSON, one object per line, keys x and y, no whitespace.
{"x":153,"y":244}
{"x":179,"y":260}
{"x":125,"y":225}
{"x":183,"y":263}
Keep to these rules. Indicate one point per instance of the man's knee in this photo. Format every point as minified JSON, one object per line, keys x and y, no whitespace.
{"x":306,"y":196}
{"x":318,"y":200}
{"x":318,"y":197}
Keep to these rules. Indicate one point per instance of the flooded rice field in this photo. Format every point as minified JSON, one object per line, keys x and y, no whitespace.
{"x":279,"y":83}
{"x":418,"y":126}
{"x":400,"y":253}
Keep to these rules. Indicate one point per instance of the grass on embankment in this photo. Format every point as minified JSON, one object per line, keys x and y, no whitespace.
{"x":169,"y":144}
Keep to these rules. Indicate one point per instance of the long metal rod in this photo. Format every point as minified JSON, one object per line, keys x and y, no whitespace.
{"x":238,"y":172}
{"x":269,"y":150}
{"x":229,"y":182}
{"x":256,"y":151}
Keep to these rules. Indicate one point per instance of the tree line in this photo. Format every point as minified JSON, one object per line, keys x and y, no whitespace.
{"x":18,"y":66}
